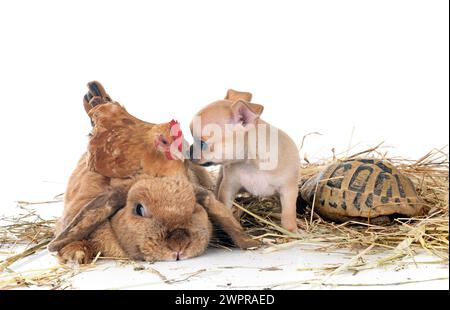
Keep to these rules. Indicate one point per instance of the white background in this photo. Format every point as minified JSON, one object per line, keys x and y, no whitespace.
{"x":378,"y":67}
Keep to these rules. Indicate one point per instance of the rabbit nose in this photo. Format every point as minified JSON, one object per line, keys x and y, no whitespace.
{"x":178,"y":255}
{"x":178,"y":240}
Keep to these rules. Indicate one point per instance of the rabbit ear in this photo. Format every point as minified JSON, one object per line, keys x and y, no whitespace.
{"x":222,"y":216}
{"x":90,"y":217}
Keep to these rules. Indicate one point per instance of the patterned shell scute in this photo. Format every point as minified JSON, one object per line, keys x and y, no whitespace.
{"x":361,"y":188}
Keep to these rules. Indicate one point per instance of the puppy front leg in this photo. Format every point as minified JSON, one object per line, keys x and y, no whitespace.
{"x":288,"y":197}
{"x":228,"y":189}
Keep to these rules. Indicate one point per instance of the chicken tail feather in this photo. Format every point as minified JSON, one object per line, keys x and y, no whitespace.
{"x":96,"y":95}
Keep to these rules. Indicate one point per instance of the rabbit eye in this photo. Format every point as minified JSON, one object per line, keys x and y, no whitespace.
{"x":139,"y":209}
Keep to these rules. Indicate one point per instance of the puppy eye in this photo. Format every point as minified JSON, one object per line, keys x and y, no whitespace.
{"x":203,"y":144}
{"x":139,"y":209}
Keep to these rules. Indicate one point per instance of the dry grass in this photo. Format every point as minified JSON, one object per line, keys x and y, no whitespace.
{"x":393,"y":242}
{"x":54,"y":278}
{"x":30,"y":232}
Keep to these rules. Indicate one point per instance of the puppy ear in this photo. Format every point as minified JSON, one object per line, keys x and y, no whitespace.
{"x":245,"y":112}
{"x":90,"y":217}
{"x":234,"y":95}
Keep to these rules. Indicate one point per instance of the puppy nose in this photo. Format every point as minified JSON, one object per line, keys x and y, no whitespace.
{"x":191,"y":151}
{"x":207,"y":164}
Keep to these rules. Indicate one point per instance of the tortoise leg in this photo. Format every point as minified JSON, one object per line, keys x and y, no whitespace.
{"x":380,"y":220}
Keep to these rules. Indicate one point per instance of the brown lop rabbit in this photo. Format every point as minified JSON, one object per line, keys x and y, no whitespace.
{"x":147,"y":218}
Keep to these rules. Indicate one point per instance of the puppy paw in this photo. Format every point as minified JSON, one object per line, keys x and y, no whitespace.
{"x":289,"y":224}
{"x":78,"y":252}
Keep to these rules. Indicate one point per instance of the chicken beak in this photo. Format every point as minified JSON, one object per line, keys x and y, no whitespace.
{"x":177,"y":155}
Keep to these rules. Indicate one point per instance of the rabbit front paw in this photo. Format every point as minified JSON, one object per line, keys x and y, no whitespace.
{"x":77,"y":252}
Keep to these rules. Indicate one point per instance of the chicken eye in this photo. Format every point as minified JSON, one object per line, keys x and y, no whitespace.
{"x":139,"y":209}
{"x":162,"y":140}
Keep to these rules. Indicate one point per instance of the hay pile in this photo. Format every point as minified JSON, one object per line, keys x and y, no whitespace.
{"x":404,"y":237}
{"x":261,"y":216}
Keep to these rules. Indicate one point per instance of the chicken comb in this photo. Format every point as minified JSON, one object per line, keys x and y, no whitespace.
{"x":175,"y":129}
{"x":173,"y":122}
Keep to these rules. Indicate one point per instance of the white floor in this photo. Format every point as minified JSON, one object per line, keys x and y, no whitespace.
{"x":296,"y":267}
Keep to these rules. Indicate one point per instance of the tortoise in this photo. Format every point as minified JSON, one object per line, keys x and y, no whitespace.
{"x":361,"y":189}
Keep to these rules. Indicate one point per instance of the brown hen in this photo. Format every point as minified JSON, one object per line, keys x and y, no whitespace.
{"x":123,"y":146}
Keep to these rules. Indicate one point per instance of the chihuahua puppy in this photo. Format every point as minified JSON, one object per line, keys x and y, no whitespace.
{"x":255,"y":156}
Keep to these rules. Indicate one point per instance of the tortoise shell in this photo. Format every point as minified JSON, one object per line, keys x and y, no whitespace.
{"x":361,"y":188}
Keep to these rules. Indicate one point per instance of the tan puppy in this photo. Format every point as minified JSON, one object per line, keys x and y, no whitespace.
{"x":254,"y":155}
